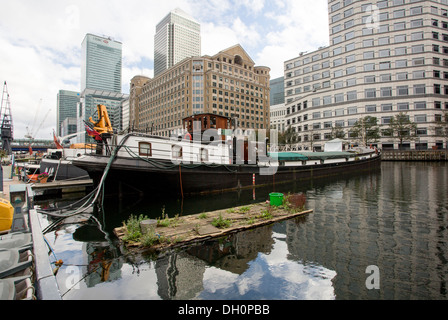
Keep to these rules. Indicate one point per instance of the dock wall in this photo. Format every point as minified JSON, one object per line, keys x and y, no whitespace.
{"x":414,"y":155}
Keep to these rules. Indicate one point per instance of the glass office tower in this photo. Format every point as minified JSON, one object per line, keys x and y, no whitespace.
{"x":178,"y":36}
{"x":101,"y":64}
{"x":67,"y":102}
{"x":100,"y":81}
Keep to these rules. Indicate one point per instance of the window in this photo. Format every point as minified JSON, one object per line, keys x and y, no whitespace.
{"x":371,"y":108}
{"x":400,"y":38}
{"x":419,"y":74}
{"x":385,"y":77}
{"x":418,"y":48}
{"x":338,"y":84}
{"x":349,"y":35}
{"x":339,"y":112}
{"x":416,"y":10}
{"x":370,"y":93}
{"x":352,"y":110}
{"x":351,"y":95}
{"x":383,"y":41}
{"x":351,"y":82}
{"x":368,"y":55}
{"x":337,"y":62}
{"x":386,"y":107}
{"x":383,"y":28}
{"x":420,"y":118}
{"x":338,"y":97}
{"x":421,"y":131}
{"x":399,"y":26}
{"x":369,"y":79}
{"x":402,"y":90}
{"x":402,"y":106}
{"x":420,"y":105}
{"x":367,"y":43}
{"x":385,"y":65}
{"x":402,"y":76}
{"x":386,"y":92}
{"x":369,"y":67}
{"x":417,"y":23}
{"x":384,"y":53}
{"x":350,"y":70}
{"x":401,"y":63}
{"x":145,"y":149}
{"x":350,"y":58}
{"x":400,"y":51}
{"x":176,"y":152}
{"x":418,"y":61}
{"x":383,"y":16}
{"x":204,"y":155}
{"x":339,"y":123}
{"x":399,"y":13}
{"x":417,"y":36}
{"x":419,"y":89}
{"x":385,"y":120}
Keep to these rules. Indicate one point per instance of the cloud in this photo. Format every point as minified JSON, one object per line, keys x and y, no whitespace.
{"x":41,"y":40}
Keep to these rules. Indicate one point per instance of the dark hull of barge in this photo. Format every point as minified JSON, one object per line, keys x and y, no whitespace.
{"x":132,"y":176}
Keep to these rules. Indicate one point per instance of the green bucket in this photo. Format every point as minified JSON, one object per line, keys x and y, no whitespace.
{"x":276,"y":199}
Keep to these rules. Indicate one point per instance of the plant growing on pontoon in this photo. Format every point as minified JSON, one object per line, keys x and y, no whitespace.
{"x":221,"y":222}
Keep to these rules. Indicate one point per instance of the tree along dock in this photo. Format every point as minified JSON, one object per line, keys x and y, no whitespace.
{"x":179,"y":231}
{"x":414,"y":155}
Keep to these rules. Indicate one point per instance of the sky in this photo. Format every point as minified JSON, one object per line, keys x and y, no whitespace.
{"x":40,"y":42}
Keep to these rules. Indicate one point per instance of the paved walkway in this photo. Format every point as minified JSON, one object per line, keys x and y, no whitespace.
{"x":6,"y":183}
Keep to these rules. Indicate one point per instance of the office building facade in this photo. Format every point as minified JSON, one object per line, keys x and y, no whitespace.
{"x":67,"y":103}
{"x":277,"y":104}
{"x":384,"y":57}
{"x":101,"y":64}
{"x":178,"y":36}
{"x":101,"y":72}
{"x":227,"y":84}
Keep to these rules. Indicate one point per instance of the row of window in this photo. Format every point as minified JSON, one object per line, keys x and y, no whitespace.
{"x":339,"y":112}
{"x":383,"y":92}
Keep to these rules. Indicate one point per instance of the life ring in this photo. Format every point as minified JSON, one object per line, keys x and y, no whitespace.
{"x":187,"y":136}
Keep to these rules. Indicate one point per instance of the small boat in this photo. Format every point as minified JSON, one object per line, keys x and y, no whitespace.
{"x":207,"y":157}
{"x":58,"y":162}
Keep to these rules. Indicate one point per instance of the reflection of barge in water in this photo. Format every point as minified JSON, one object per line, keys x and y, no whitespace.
{"x":211,"y":158}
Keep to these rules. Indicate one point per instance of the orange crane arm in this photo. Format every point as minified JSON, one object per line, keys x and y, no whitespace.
{"x":103,"y":125}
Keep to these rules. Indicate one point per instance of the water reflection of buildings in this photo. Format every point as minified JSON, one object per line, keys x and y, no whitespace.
{"x":396,"y":220}
{"x":180,"y":275}
{"x":102,"y":263}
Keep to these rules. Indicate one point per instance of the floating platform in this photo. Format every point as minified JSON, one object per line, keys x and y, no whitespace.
{"x":180,"y":231}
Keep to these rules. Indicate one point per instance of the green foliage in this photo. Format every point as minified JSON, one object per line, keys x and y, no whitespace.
{"x":266,"y":215}
{"x":221,"y":223}
{"x":133,"y":228}
{"x":367,"y":130}
{"x":244,"y":209}
{"x":402,"y":128}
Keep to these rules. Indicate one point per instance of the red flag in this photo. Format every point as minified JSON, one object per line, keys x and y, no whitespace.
{"x":30,"y":149}
{"x":58,"y":145}
{"x":93,"y":133}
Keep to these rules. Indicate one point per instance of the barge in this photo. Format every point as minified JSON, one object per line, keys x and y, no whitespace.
{"x":207,"y":157}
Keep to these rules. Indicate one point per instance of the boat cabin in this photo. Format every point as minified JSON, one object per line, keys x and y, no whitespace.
{"x":204,"y":121}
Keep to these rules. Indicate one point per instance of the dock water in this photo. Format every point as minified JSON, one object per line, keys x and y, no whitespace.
{"x":26,"y":272}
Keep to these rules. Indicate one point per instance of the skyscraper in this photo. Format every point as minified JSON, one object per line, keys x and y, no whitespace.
{"x":100,"y":80}
{"x":101,"y":64}
{"x":178,"y":36}
{"x":385,"y":57}
{"x":67,"y":103}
